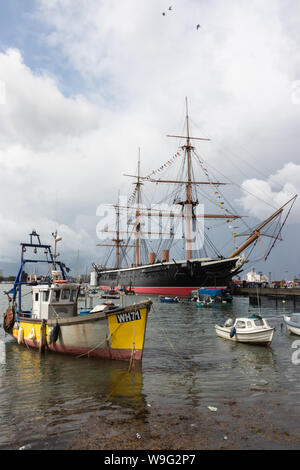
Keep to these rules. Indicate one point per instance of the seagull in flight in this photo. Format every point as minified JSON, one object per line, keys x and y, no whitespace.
{"x":198,"y":26}
{"x":169,"y":9}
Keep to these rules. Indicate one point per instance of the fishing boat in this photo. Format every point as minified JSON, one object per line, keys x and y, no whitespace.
{"x":147,"y":253}
{"x":293,"y":323}
{"x":252,"y":329}
{"x":169,"y":300}
{"x":55,"y":323}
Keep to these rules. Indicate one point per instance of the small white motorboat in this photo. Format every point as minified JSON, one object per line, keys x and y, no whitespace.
{"x":253,"y":330}
{"x":293,"y":323}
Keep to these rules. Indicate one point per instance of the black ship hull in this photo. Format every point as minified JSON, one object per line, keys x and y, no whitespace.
{"x":172,"y":278}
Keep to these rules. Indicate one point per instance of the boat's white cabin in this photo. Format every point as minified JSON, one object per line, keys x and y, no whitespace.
{"x":295,"y":317}
{"x":248,"y":323}
{"x":58,"y":300}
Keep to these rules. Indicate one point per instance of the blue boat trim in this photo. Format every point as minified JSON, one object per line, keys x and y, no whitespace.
{"x":19,"y":282}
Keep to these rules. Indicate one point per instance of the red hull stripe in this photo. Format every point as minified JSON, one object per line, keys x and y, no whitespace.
{"x":179,"y":291}
{"x":116,"y":354}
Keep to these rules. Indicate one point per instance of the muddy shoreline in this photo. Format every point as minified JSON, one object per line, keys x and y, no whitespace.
{"x":262,"y":425}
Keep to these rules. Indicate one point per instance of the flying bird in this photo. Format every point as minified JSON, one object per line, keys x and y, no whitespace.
{"x":169,"y":9}
{"x":198,"y":26}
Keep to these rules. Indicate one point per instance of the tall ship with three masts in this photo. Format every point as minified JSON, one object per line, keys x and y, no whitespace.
{"x":144,"y":235}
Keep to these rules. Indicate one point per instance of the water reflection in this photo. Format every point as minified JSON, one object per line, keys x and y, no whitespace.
{"x":52,"y":393}
{"x":2,"y":353}
{"x":45,"y":399}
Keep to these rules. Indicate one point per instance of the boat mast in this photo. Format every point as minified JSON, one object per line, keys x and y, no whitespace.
{"x":188,"y":203}
{"x":57,"y":239}
{"x":138,"y":225}
{"x":117,"y":240}
{"x":137,"y":231}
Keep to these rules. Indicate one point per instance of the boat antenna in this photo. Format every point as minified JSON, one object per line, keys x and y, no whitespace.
{"x":258,"y":300}
{"x":57,"y":239}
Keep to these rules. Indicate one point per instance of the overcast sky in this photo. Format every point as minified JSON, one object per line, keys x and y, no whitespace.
{"x":85,"y":83}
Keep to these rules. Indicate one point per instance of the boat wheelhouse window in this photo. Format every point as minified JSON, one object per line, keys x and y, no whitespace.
{"x":45,"y":296}
{"x":73,"y":295}
{"x":240,"y":324}
{"x":36,"y":297}
{"x":249,"y":324}
{"x":295,"y":318}
{"x":65,"y":294}
{"x":56,"y":294}
{"x":259,"y":322}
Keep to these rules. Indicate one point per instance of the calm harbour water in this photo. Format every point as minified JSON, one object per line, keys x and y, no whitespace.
{"x":45,"y":399}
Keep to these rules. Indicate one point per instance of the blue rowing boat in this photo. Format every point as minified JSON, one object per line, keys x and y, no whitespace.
{"x":169,"y":300}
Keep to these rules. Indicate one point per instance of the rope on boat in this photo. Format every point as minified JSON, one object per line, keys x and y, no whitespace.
{"x":133,"y":348}
{"x":172,"y":346}
{"x":100,"y":344}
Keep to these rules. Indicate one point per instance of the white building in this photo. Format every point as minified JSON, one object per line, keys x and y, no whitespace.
{"x":253,"y":276}
{"x":93,"y":278}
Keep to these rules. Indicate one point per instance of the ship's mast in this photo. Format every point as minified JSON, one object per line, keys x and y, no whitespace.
{"x":138,"y":225}
{"x":117,"y":240}
{"x":188,"y":204}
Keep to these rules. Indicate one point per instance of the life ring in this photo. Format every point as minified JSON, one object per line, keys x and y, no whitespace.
{"x":232,"y":332}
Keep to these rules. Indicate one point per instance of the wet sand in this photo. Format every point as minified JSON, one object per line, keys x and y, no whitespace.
{"x":265,"y":425}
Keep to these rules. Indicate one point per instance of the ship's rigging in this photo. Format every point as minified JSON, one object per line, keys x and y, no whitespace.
{"x":185,"y":192}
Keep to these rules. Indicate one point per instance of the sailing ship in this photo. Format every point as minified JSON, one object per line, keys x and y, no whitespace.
{"x":54,"y":321}
{"x":161,"y":273}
